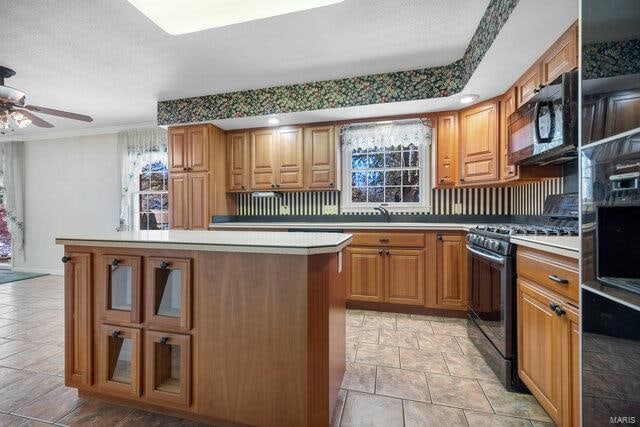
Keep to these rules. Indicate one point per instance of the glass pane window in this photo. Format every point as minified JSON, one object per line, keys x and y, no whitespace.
{"x":167,"y":375}
{"x":120,"y":281}
{"x":168,"y":289}
{"x":151,"y":201}
{"x":120,"y":352}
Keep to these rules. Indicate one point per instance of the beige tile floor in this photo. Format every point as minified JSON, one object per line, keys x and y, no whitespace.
{"x":401,"y":370}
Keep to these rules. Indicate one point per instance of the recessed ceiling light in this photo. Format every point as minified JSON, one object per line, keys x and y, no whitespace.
{"x":187,"y":16}
{"x":273,"y":121}
{"x":468,"y":99}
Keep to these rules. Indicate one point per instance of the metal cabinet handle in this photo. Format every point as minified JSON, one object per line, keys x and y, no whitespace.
{"x":115,"y":334}
{"x":558,"y":279}
{"x":557,"y":309}
{"x":242,"y":186}
{"x":164,"y":265}
{"x":386,"y":253}
{"x":184,"y":168}
{"x":65,"y":258}
{"x":164,"y":340}
{"x":380,"y":251}
{"x":273,"y":185}
{"x":115,"y":262}
{"x":439,"y":237}
{"x":331,"y":184}
{"x":441,"y":179}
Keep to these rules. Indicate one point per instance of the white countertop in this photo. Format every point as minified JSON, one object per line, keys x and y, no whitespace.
{"x":568,"y":246}
{"x":345,"y":225}
{"x":219,"y":241}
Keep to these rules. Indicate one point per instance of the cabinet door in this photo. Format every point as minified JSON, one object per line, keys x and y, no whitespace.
{"x":446,"y":149}
{"x":365,"y":274}
{"x":540,"y":336}
{"x":198,"y":201}
{"x":198,"y":148}
{"x":479,"y":143}
{"x":178,"y":161}
{"x":529,"y":84}
{"x":405,"y":276}
{"x":263,"y":163}
{"x":451,"y":272}
{"x":238,"y":161}
{"x":561,"y":57}
{"x":623,"y":112}
{"x":289,"y":158}
{"x":320,"y":157}
{"x":120,"y":359}
{"x":168,"y":368}
{"x":119,"y":287}
{"x":179,"y":201}
{"x":168,"y":290}
{"x":78,"y":319}
{"x":593,"y":109}
{"x":507,"y":107}
{"x":571,"y":367}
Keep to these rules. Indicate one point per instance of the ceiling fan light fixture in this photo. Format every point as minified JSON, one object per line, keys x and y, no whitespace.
{"x":20,"y":119}
{"x":4,"y":120}
{"x":187,"y":16}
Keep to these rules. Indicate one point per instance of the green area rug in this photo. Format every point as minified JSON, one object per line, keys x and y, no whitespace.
{"x":7,"y":276}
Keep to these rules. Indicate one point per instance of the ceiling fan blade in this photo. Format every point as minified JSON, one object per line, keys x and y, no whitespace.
{"x":35,"y":120}
{"x":59,"y":113}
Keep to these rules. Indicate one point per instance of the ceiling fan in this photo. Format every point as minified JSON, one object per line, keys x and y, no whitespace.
{"x":13,"y":108}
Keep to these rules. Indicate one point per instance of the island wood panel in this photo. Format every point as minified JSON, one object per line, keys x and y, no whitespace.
{"x":108,"y":353}
{"x":256,"y":333}
{"x":290,"y":158}
{"x":263,"y":159}
{"x":78,"y":342}
{"x":105,"y":264}
{"x":479,"y":143}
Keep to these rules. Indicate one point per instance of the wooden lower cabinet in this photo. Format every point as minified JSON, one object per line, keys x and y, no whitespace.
{"x":404,"y":270}
{"x":119,"y":360}
{"x":167,"y":363}
{"x":451,"y":271}
{"x":548,"y":350}
{"x":365,"y":274}
{"x":78,"y":344}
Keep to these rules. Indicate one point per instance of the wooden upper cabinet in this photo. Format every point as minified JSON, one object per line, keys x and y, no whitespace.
{"x":320,"y":157}
{"x":479,"y":143}
{"x":263,"y":159}
{"x":623,"y":112}
{"x":404,"y":269}
{"x":78,"y":319}
{"x":178,"y":149}
{"x":529,"y":84}
{"x":507,"y":107}
{"x":179,"y":201}
{"x":198,"y":210}
{"x":289,"y":155}
{"x":451,"y":271}
{"x":189,"y":148}
{"x":238,"y":161}
{"x":365,"y":274}
{"x":198,"y":148}
{"x":540,"y":336}
{"x":561,"y":57}
{"x":593,"y":114}
{"x":446,"y":149}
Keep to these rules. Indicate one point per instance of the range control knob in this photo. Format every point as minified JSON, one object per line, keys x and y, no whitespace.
{"x":495,"y":246}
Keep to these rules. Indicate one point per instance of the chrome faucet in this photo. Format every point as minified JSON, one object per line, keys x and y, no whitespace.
{"x":385,"y":212}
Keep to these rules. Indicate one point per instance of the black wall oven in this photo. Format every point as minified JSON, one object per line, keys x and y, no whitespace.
{"x":611,"y":282}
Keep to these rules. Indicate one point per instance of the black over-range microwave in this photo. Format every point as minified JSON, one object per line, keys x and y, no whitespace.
{"x":545,"y":129}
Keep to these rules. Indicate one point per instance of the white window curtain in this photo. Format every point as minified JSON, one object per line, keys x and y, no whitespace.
{"x":137,"y":149}
{"x":372,"y":136}
{"x":12,"y":155}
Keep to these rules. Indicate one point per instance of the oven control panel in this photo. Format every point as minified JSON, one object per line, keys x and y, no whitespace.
{"x":494,"y":245}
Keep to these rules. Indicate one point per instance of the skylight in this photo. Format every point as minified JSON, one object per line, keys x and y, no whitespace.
{"x":187,"y":16}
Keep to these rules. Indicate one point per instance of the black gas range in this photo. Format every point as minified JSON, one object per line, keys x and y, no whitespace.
{"x":491,"y":306}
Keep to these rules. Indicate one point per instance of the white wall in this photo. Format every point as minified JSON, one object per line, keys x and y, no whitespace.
{"x":72,"y":186}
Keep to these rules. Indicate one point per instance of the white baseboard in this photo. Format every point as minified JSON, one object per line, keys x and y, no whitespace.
{"x":39,"y":270}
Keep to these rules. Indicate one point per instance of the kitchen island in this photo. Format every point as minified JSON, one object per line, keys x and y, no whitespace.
{"x":228,"y":326}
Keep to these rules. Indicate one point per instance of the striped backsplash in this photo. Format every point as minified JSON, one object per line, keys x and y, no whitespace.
{"x":523,"y":199}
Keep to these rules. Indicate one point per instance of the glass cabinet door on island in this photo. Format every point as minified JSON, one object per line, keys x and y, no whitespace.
{"x":168,"y":366}
{"x":169,"y":293}
{"x":120,"y":359}
{"x":120,"y":288}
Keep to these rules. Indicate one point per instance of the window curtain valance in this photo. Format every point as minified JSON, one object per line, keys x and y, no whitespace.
{"x":12,"y":162}
{"x":137,"y":148}
{"x":386,"y":135}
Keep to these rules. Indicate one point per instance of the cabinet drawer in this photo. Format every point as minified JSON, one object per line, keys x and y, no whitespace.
{"x":411,"y":240}
{"x":556,"y":273}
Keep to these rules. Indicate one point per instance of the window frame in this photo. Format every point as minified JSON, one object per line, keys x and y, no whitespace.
{"x":424,"y":167}
{"x":136,"y":201}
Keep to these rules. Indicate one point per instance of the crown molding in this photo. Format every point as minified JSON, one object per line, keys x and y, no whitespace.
{"x":76,"y":132}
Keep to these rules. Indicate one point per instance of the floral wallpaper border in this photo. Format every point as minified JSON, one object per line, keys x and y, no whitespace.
{"x":609,"y":59}
{"x":409,"y":85}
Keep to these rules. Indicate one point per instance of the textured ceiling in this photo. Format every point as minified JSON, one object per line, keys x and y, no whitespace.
{"x":105,"y":59}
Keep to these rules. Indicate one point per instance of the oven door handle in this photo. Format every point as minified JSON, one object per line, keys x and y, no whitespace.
{"x":486,"y":255}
